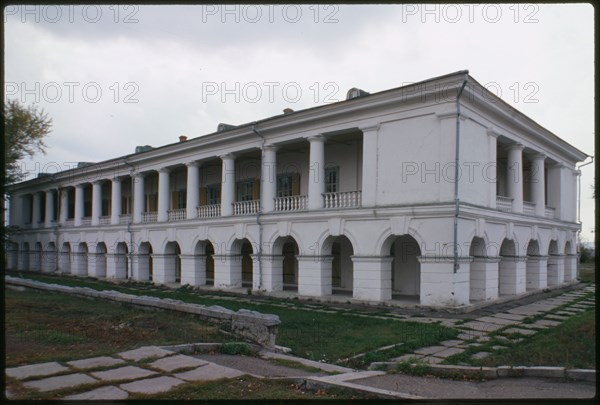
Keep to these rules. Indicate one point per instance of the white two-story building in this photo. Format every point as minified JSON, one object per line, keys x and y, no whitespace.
{"x":436,"y":193}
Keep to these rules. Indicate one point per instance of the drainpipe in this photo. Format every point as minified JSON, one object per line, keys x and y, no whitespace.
{"x":456,"y":174}
{"x":259,"y":254}
{"x":130,"y":267}
{"x":579,"y":196}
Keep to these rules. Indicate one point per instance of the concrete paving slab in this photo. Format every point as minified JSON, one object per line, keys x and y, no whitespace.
{"x":497,"y":321}
{"x":526,"y":332}
{"x":60,"y":382}
{"x":144,"y":353}
{"x":94,"y":362}
{"x":353,"y":375}
{"x":547,"y":322}
{"x":407,"y":357}
{"x":449,"y":352}
{"x":152,"y":385}
{"x":557,"y":317}
{"x":430,"y":350}
{"x":177,"y":362}
{"x":483,"y":326}
{"x":123,"y":373}
{"x":330,"y":368}
{"x":506,"y":315}
{"x":451,"y":343}
{"x":209,"y":372}
{"x":480,"y":355}
{"x":35,"y":370}
{"x":432,"y":360}
{"x":100,"y":394}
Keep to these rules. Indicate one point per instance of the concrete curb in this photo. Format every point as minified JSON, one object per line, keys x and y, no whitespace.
{"x":501,"y":371}
{"x":315,"y":383}
{"x":255,"y":326}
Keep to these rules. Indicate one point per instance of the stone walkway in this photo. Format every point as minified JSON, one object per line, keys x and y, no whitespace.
{"x":508,"y":327}
{"x":152,"y":369}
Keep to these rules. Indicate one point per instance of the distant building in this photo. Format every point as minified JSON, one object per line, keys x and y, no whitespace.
{"x":356,"y":197}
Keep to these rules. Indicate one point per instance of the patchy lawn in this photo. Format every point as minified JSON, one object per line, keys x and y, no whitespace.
{"x":44,"y":326}
{"x":315,"y":335}
{"x":587,"y":272}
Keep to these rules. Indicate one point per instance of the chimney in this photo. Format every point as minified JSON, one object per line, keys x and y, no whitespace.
{"x":182,"y":138}
{"x":288,"y":111}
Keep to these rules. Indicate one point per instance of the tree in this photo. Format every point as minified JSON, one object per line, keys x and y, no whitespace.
{"x":24,"y":131}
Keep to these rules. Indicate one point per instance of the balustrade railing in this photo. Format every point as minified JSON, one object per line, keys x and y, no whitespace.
{"x":149,"y":216}
{"x":550,"y":212}
{"x":124,"y":219}
{"x":105,"y":220}
{"x":209,"y":211}
{"x":87,"y":221}
{"x":177,"y":214}
{"x":291,"y":203}
{"x":246,"y":207}
{"x":504,"y":203}
{"x":528,"y":208}
{"x":345,"y":199}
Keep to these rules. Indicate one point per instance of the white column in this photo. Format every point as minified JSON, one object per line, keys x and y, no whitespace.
{"x":268,"y":189}
{"x":314,"y":275}
{"x":64,"y":206}
{"x":228,"y":271}
{"x":536,"y":270}
{"x":227,"y":184}
{"x":514,"y":179}
{"x":164,"y":268}
{"x":163,"y":195}
{"x":116,"y":265}
{"x":193,"y":269}
{"x":512,"y":275}
{"x":193,"y":185}
{"x":96,"y":202}
{"x":537,"y":184}
{"x":78,"y":204}
{"x":115,"y":195}
{"x":370,"y":163}
{"x":49,"y":208}
{"x":556,"y":270}
{"x":140,"y":267}
{"x":35,"y":218}
{"x":272,"y":272}
{"x":483,"y":280}
{"x":316,"y":176}
{"x":97,"y":265}
{"x":440,"y":285}
{"x":138,"y":197}
{"x":372,"y":278}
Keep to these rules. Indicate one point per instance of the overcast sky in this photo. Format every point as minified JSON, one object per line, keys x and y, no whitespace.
{"x":115,"y":77}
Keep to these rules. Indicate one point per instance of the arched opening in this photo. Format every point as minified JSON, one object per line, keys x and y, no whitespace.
{"x":81,"y":260}
{"x":406,"y":268}
{"x":511,"y":270}
{"x":172,"y":263}
{"x":555,"y":265}
{"x":12,"y":256}
{"x":281,"y":271}
{"x":535,"y":267}
{"x":36,"y":257}
{"x":121,"y":262}
{"x":100,"y":261}
{"x":247,"y":263}
{"x":64,"y":262}
{"x":342,"y":274}
{"x":481,"y":274}
{"x":209,"y":252}
{"x":49,"y":260}
{"x":145,"y":263}
{"x":289,"y":252}
{"x":24,"y":258}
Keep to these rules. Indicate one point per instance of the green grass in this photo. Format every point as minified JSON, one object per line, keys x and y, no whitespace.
{"x":310,"y":334}
{"x":237,"y":348}
{"x":571,"y":344}
{"x":587,"y":272}
{"x":44,"y":326}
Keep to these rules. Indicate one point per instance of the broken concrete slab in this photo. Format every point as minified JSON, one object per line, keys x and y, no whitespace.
{"x":152,"y":385}
{"x":430,"y":350}
{"x":451,"y":343}
{"x":177,"y":362}
{"x":94,"y":362}
{"x":450,"y":351}
{"x":512,"y":317}
{"x":144,"y":353}
{"x":209,"y":372}
{"x":480,"y":355}
{"x":526,"y":332}
{"x":60,"y":382}
{"x":123,"y":373}
{"x":35,"y":370}
{"x":100,"y":394}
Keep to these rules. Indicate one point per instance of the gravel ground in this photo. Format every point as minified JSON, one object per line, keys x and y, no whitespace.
{"x":501,"y":388}
{"x":257,"y":366}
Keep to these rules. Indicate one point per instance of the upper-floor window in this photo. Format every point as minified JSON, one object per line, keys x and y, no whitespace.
{"x":288,"y":184}
{"x":247,"y":190}
{"x":179,"y":199}
{"x":332,"y":179}
{"x":213,"y":194}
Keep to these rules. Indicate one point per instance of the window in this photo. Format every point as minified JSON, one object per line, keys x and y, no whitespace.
{"x":245,"y":190}
{"x":179,"y":199}
{"x":284,"y":185}
{"x":126,"y":205}
{"x":213,"y":194}
{"x":331,"y":179}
